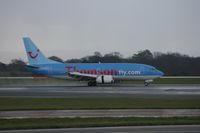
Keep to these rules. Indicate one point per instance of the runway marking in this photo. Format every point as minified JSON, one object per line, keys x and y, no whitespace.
{"x":12,"y":88}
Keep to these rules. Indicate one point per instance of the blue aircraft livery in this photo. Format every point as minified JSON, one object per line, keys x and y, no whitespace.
{"x":94,"y":73}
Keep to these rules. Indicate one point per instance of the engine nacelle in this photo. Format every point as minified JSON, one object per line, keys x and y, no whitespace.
{"x":102,"y":79}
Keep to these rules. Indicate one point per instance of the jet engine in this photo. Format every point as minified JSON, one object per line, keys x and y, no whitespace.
{"x":104,"y":79}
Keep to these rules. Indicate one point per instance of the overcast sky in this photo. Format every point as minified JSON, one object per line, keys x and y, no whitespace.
{"x":76,"y":28}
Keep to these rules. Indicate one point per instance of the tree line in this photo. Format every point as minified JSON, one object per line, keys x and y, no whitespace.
{"x":172,"y":64}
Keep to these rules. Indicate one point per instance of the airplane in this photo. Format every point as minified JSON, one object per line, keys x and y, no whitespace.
{"x":93,"y":73}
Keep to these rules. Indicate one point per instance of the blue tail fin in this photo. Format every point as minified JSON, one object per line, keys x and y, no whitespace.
{"x":35,"y":56}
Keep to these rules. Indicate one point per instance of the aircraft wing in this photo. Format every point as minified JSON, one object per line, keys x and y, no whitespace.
{"x":83,"y":76}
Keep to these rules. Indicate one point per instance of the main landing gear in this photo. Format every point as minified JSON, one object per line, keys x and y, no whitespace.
{"x":92,"y":83}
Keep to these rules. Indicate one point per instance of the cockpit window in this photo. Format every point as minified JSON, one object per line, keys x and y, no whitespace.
{"x":153,"y":69}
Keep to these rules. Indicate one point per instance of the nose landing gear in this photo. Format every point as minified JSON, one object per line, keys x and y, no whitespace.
{"x":147,"y":82}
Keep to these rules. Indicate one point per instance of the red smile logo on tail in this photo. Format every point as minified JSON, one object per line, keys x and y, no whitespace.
{"x":33,"y":56}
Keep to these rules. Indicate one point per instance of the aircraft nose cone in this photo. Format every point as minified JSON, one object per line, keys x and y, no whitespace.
{"x":160,"y":73}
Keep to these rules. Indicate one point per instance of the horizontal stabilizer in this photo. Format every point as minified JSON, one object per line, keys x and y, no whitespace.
{"x":34,"y":67}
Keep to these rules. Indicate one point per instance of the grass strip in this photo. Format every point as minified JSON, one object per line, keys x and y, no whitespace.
{"x":95,"y":103}
{"x":177,"y":81}
{"x":6,"y":124}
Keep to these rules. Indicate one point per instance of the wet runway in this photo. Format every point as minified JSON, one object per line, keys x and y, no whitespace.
{"x":128,"y":129}
{"x":100,"y":113}
{"x":137,"y":91}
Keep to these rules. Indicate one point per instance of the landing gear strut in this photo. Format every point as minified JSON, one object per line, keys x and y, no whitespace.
{"x":147,"y":82}
{"x":92,"y":83}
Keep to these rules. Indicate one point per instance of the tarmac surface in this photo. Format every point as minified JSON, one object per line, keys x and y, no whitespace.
{"x":128,"y":129}
{"x":137,"y":91}
{"x":100,"y":113}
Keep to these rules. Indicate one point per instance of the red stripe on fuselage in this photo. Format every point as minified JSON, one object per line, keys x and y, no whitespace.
{"x":91,"y":71}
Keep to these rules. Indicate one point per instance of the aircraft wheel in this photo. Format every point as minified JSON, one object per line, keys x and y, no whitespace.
{"x":89,"y":83}
{"x":146,"y":83}
{"x":92,"y":83}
